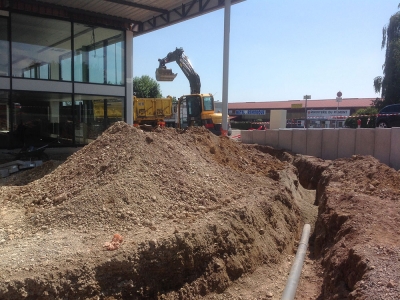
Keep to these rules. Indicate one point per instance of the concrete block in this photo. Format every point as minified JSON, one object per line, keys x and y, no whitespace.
{"x":259,"y":137}
{"x":278,"y":119}
{"x":285,"y":139}
{"x":13,"y":169}
{"x":330,"y":138}
{"x":382,"y":145}
{"x":314,"y":145}
{"x":12,"y":163}
{"x":395,"y":148}
{"x":272,"y":138}
{"x":27,"y":165}
{"x":299,"y":141}
{"x":365,"y":141}
{"x":4,"y":173}
{"x":346,"y":142}
{"x":246,"y":136}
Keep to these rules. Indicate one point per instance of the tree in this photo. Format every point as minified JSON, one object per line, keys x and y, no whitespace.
{"x":367,"y":116}
{"x":389,"y":84}
{"x":146,"y":87}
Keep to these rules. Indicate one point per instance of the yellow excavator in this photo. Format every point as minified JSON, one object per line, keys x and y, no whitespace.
{"x":195,"y":109}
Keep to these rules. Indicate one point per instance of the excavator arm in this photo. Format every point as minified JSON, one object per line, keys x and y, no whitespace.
{"x":164,"y":74}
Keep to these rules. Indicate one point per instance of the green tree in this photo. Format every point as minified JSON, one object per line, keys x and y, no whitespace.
{"x":389,"y":84}
{"x":367,"y":116}
{"x":146,"y":87}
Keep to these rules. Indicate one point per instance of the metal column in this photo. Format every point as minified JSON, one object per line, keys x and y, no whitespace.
{"x":227,"y":20}
{"x":129,"y":77}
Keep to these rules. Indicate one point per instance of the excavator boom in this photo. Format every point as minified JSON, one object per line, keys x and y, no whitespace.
{"x":164,"y":74}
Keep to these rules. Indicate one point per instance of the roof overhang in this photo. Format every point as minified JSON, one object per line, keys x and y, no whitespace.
{"x":139,"y":16}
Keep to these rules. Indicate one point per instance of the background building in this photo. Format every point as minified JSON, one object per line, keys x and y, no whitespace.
{"x":326,"y":113}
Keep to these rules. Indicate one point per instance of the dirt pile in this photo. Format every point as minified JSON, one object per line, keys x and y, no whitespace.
{"x":195,"y":211}
{"x":199,"y":216}
{"x":357,"y":232}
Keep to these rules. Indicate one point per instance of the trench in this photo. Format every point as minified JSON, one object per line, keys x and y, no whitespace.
{"x":197,"y":262}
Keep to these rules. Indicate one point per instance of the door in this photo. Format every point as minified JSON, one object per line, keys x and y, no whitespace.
{"x":194,"y":110}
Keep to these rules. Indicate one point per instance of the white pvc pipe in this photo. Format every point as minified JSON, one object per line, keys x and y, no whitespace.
{"x":293,"y":280}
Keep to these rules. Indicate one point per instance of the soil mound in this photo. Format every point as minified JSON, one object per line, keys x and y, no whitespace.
{"x":195,"y":212}
{"x":189,"y":215}
{"x":357,"y":232}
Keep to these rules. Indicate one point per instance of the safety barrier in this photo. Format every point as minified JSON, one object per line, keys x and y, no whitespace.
{"x":330,"y":143}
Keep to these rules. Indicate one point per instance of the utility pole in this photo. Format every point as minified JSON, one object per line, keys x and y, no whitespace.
{"x":338,"y":99}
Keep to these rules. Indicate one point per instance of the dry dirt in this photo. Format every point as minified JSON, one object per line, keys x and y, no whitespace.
{"x":202,"y":217}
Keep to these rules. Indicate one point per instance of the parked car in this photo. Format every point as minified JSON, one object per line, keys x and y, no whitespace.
{"x":388,"y":117}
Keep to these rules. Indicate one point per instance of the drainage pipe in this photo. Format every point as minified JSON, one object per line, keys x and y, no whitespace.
{"x":291,"y":284}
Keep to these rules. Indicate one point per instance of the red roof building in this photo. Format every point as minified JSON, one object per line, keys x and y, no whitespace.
{"x":320,"y":113}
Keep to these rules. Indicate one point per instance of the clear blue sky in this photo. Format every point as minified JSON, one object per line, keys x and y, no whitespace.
{"x":279,"y":49}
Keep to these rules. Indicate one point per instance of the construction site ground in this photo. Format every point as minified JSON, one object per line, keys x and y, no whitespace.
{"x":201,"y":217}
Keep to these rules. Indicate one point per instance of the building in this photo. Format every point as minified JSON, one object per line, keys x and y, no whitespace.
{"x":328,"y":113}
{"x":66,"y":66}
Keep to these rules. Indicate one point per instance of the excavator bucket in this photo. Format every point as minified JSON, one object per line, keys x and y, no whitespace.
{"x":163,"y":74}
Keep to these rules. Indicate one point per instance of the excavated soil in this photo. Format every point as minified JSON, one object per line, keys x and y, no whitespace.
{"x":200,"y":216}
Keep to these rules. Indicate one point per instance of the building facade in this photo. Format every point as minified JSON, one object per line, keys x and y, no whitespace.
{"x":66,"y":66}
{"x":328,"y":113}
{"x":62,"y":81}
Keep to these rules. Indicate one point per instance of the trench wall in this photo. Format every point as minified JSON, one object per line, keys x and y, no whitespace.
{"x":330,"y":143}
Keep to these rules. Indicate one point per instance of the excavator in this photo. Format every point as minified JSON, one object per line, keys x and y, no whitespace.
{"x":195,"y":109}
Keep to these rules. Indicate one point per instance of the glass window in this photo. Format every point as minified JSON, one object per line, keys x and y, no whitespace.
{"x":208,"y":103}
{"x":115,"y":63}
{"x":38,"y":45}
{"x":98,"y":55}
{"x":4,"y":48}
{"x":4,"y":117}
{"x":96,"y":66}
{"x":42,"y":118}
{"x":94,"y":114}
{"x":65,"y":62}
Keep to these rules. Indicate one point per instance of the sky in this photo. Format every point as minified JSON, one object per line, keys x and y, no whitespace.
{"x":278,"y":50}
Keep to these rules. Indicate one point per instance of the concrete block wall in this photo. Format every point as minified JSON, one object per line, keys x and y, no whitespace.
{"x":395,"y":148}
{"x":284,"y":138}
{"x":272,"y":136}
{"x":365,"y":141}
{"x":259,"y":137}
{"x":329,"y":144}
{"x":346,"y":144}
{"x":381,"y":147}
{"x":329,"y":151}
{"x":313,"y":140}
{"x":299,"y":141}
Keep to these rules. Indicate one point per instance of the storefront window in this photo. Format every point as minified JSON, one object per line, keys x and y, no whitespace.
{"x":40,"y":47}
{"x":4,"y":48}
{"x":99,"y":55}
{"x":42,"y":118}
{"x":4,"y":121}
{"x":94,"y":114}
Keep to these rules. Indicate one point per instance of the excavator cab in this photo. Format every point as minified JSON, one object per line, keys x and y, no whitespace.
{"x":164,"y":74}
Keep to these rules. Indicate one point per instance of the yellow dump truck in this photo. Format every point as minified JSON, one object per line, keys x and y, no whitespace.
{"x":151,"y":111}
{"x":146,"y":111}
